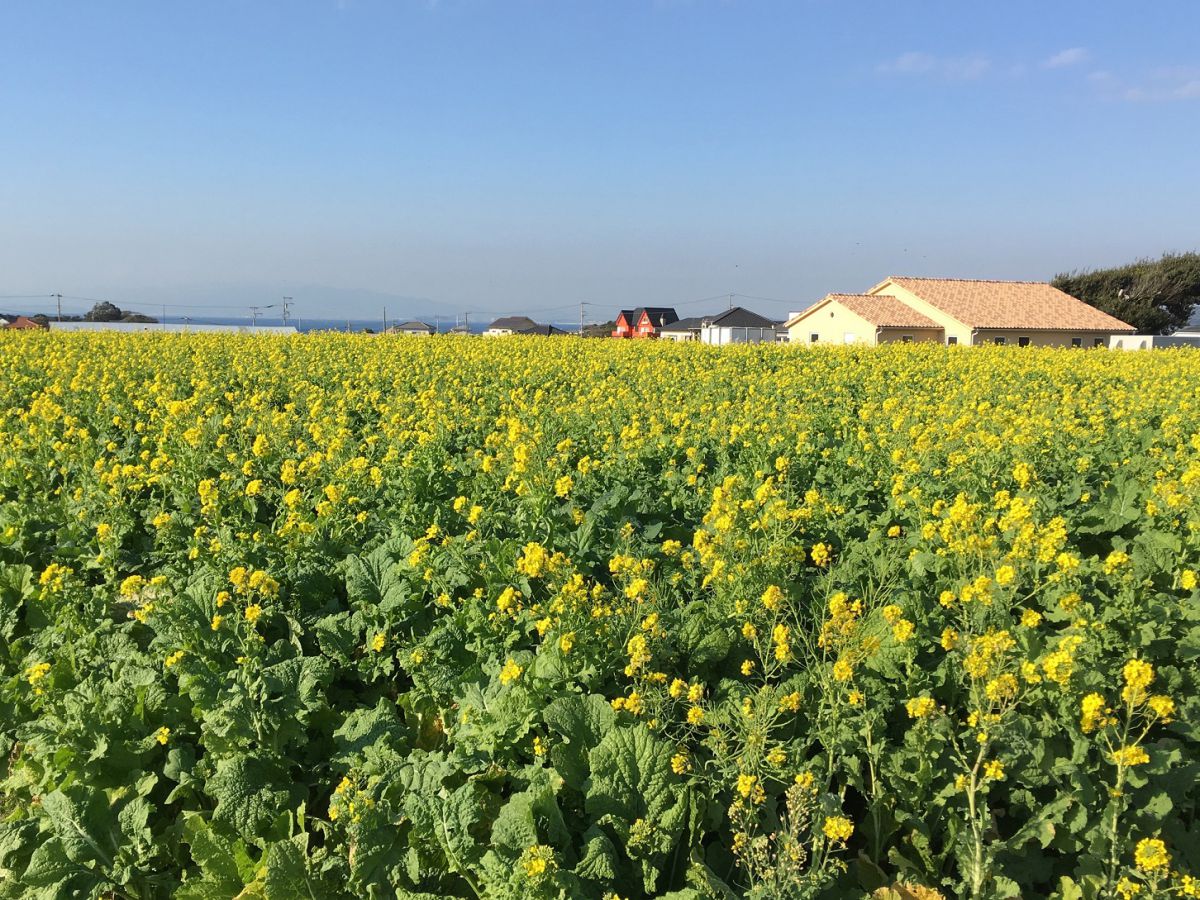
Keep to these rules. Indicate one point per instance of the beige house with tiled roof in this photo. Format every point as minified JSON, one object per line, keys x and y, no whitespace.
{"x":957,"y":311}
{"x":861,"y":319}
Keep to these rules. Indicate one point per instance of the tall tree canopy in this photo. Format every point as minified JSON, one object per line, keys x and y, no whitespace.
{"x":1154,"y":296}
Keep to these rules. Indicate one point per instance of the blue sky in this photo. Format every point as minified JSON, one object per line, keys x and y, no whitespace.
{"x":524,"y":156}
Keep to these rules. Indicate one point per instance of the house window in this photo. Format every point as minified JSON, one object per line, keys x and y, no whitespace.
{"x":1076,"y":342}
{"x":1098,"y":342}
{"x":906,"y":339}
{"x":1023,"y":341}
{"x":813,"y":338}
{"x":952,"y":340}
{"x":998,"y":341}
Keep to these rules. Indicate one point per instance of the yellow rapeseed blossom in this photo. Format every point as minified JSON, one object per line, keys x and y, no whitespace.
{"x":1130,"y":756}
{"x":837,"y":829}
{"x":772,"y":597}
{"x":1151,"y":855}
{"x":1137,"y":675}
{"x":920,"y":707}
{"x":511,"y":672}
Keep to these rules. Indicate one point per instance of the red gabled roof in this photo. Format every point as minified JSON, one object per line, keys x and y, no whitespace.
{"x":24,"y":322}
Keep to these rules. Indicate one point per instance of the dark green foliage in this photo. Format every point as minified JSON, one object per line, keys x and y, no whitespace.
{"x":1155,"y":296}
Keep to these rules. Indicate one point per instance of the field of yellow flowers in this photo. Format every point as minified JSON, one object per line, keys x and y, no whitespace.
{"x":334,"y":616}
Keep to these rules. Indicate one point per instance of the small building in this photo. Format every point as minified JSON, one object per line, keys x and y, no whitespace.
{"x":413,"y":328}
{"x":861,"y":319}
{"x":644,"y":322}
{"x":24,"y":323}
{"x":545,"y":331}
{"x":737,"y":326}
{"x":507,"y":325}
{"x":682,"y":330}
{"x":1154,"y":341}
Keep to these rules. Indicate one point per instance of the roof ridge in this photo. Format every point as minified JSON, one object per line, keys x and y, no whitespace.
{"x":978,"y":280}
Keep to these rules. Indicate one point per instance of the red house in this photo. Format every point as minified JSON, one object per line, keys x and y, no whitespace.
{"x":643,"y":322}
{"x":625,"y":322}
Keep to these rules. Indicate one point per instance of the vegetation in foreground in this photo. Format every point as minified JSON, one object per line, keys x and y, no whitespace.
{"x":335,"y":617}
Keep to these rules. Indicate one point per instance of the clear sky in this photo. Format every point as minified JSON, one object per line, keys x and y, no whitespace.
{"x":523,"y":156}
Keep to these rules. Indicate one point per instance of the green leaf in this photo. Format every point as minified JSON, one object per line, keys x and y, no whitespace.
{"x":83,"y":826}
{"x":528,"y":818}
{"x":633,"y":789}
{"x":599,"y":863}
{"x":288,"y":872}
{"x":213,"y":853}
{"x":580,"y":722}
{"x":376,"y":579}
{"x":365,"y":728}
{"x":251,"y":793}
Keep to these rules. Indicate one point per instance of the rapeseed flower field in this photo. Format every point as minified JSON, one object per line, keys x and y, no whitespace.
{"x":343,"y":617}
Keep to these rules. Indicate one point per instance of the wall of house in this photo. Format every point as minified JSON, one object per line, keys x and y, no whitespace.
{"x":1152,"y":341}
{"x":1087,"y":339}
{"x":714,"y":334}
{"x":834,"y":324}
{"x":679,"y":336}
{"x":950,"y":325}
{"x":895,"y":335}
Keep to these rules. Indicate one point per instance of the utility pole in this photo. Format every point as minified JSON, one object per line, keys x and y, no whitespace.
{"x":581,"y":318}
{"x":254,"y":317}
{"x":467,"y":322}
{"x":287,"y":301}
{"x":437,"y":329}
{"x":59,"y":298}
{"x":731,"y":301}
{"x":385,"y":319}
{"x":164,"y":318}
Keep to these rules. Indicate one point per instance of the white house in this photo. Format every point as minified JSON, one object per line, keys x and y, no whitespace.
{"x":681,"y":330}
{"x":413,"y":328}
{"x":737,"y":326}
{"x":1154,"y":341}
{"x":507,"y":325}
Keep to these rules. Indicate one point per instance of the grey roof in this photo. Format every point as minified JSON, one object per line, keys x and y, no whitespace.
{"x":659,"y":315}
{"x":545,"y":330}
{"x":739,"y":317}
{"x":692,"y":323}
{"x":513,"y":323}
{"x":412,"y":325}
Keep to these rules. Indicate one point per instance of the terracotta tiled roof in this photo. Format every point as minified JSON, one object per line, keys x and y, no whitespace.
{"x":884,"y":310}
{"x":1026,"y":305}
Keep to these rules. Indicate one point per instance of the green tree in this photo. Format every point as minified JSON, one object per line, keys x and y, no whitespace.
{"x":1154,"y":296}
